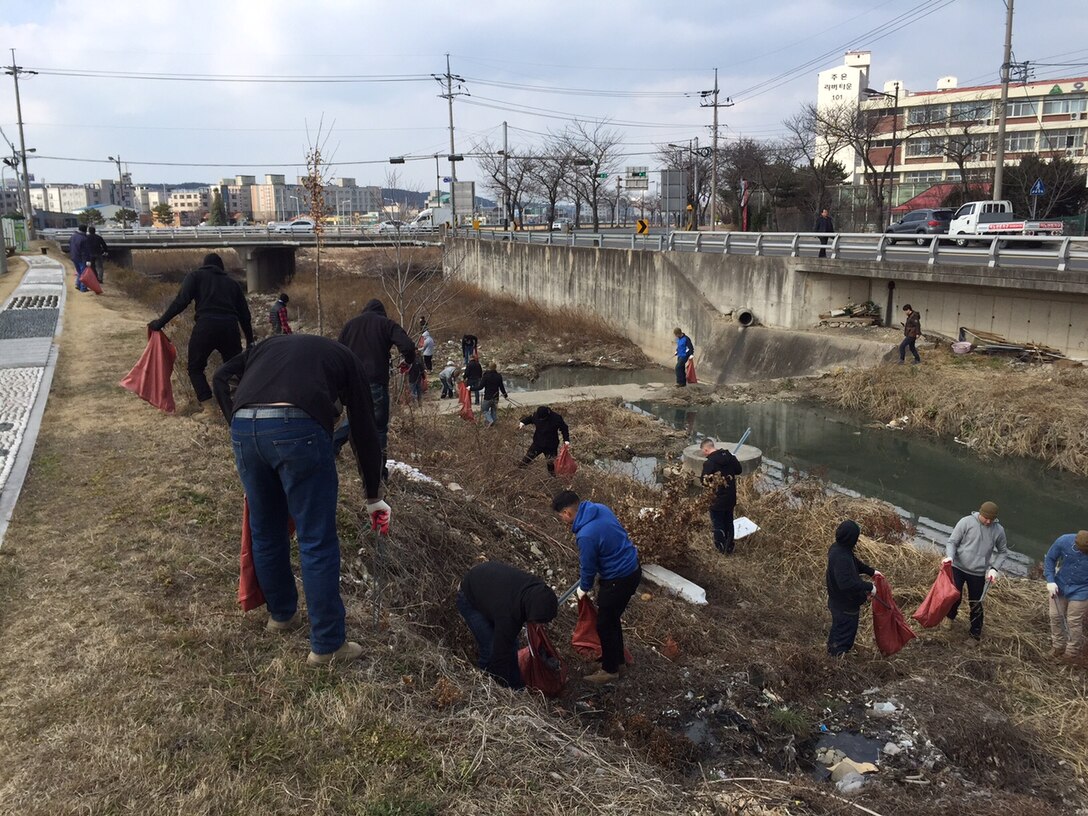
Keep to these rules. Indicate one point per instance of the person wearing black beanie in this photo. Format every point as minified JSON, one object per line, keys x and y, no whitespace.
{"x":846,"y":592}
{"x":220,"y":308}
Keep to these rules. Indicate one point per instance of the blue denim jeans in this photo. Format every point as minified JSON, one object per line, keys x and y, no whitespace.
{"x":288,"y":470}
{"x":379,"y":393}
{"x":490,"y":410}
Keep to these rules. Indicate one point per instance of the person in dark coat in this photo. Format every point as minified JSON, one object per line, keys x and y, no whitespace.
{"x":824,"y":224}
{"x":912,"y":330}
{"x":846,"y":592}
{"x":497,"y":600}
{"x":492,"y":386}
{"x":289,"y":392}
{"x":469,"y":344}
{"x":77,"y":251}
{"x":371,"y":334}
{"x":548,"y":426}
{"x":97,"y":251}
{"x":474,"y":375}
{"x":277,"y":315}
{"x":220,"y":308}
{"x":723,"y":464}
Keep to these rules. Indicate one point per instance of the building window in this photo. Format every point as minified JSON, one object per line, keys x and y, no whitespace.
{"x":926,"y":114}
{"x":924,"y":147}
{"x":1023,"y":142}
{"x":922,"y":176}
{"x":971,"y":111}
{"x":1065,"y":104}
{"x":1022,"y":108}
{"x":1061,"y":139}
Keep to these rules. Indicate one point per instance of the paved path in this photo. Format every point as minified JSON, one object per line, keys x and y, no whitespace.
{"x":630,"y":392}
{"x":29,"y":324}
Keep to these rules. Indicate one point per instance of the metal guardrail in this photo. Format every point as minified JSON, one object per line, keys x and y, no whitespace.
{"x":1058,"y":253}
{"x":251,"y":234}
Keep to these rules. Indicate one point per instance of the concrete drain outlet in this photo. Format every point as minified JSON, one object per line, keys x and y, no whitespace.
{"x":34,"y":302}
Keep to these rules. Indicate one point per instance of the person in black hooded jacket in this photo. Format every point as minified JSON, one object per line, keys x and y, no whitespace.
{"x":220,"y":308}
{"x":371,"y":334}
{"x":496,"y":600}
{"x":846,"y":592}
{"x":548,"y":426}
{"x":724,"y":464}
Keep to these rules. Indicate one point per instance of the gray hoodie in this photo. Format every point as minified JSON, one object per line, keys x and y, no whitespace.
{"x":972,"y":544}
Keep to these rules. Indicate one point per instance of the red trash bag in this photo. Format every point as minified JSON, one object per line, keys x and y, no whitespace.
{"x":540,"y":666}
{"x":942,"y":595}
{"x":90,"y":280}
{"x":585,"y":639}
{"x":249,"y":591}
{"x":564,"y":462}
{"x":890,"y":629}
{"x":150,"y":377}
{"x":689,"y":372}
{"x":464,"y":396}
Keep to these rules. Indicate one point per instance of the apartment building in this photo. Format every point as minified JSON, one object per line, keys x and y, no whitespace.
{"x":189,"y":205}
{"x":938,"y":130}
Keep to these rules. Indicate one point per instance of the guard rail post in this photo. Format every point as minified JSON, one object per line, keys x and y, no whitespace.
{"x":698,"y":241}
{"x":880,"y":247}
{"x":672,"y":241}
{"x":1063,"y":254}
{"x":725,"y":243}
{"x":759,"y":244}
{"x":795,"y":245}
{"x":835,"y":246}
{"x":934,"y":246}
{"x":993,"y":254}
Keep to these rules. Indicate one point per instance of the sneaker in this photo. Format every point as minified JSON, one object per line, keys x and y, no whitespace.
{"x":600,"y":677}
{"x":345,"y":654}
{"x":286,"y":626}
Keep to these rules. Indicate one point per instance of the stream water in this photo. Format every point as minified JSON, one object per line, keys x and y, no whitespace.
{"x":933,"y":483}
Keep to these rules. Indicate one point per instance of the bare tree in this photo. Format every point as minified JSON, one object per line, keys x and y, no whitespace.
{"x":550,"y":172}
{"x":314,"y":182}
{"x":814,"y":158}
{"x":962,"y":140}
{"x":510,"y":179}
{"x":598,"y":146}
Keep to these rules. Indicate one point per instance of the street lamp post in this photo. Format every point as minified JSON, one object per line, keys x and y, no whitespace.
{"x":693,"y":201}
{"x":298,"y":209}
{"x":120,"y":190}
{"x":895,"y":135}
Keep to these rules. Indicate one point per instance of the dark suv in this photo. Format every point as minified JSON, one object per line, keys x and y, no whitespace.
{"x":919,"y":223}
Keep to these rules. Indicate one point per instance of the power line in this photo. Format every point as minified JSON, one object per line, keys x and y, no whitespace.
{"x":520,"y":86}
{"x":248,"y":78}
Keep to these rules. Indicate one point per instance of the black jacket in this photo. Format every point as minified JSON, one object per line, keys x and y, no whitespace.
{"x":824,"y":224}
{"x":96,"y":246}
{"x":312,"y":373}
{"x":845,"y":589}
{"x":492,"y":384}
{"x":474,"y":372}
{"x":469,"y":343}
{"x":728,"y":466}
{"x":549,"y":425}
{"x":370,"y":335}
{"x":508,"y":597}
{"x":217,"y":297}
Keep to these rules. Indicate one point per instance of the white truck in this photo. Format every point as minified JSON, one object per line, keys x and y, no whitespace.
{"x":431,"y":218}
{"x":986,"y":220}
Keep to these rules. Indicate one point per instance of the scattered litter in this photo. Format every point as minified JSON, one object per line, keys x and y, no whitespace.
{"x":883,"y":710}
{"x":454,"y":487}
{"x":891,"y":749}
{"x":413,"y":474}
{"x":855,"y":314}
{"x":676,"y":584}
{"x":989,"y":343}
{"x":898,"y":424}
{"x":743,"y":526}
{"x":851,"y":783}
{"x":844,"y":767}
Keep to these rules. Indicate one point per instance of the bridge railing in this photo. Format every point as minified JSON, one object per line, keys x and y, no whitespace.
{"x":1059,"y":253}
{"x":197,"y":234}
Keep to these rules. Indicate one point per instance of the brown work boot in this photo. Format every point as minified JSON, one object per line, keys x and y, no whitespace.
{"x":600,"y":677}
{"x":345,"y":654}
{"x":283,"y":627}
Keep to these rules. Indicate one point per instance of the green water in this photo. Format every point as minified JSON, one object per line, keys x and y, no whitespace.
{"x":932,"y":481}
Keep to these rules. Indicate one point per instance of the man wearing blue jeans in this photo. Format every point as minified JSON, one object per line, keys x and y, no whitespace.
{"x":281,"y":423}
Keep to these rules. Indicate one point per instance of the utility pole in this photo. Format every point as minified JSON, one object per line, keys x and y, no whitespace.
{"x":715,"y":104}
{"x":121,"y":190}
{"x":13,"y":71}
{"x":506,"y":208}
{"x":454,"y":158}
{"x":1006,"y":64}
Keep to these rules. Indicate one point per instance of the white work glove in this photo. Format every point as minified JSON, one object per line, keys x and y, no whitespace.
{"x":581,"y":593}
{"x":877,"y":572}
{"x":566,"y":444}
{"x":946,"y":560}
{"x":380,"y":515}
{"x":1052,"y":588}
{"x":991,"y":575}
{"x":521,"y":425}
{"x":873,"y":590}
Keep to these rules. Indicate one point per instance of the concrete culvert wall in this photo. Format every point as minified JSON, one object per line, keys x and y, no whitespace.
{"x":746,"y":317}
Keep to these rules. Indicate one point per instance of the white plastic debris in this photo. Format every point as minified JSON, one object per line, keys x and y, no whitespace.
{"x":413,"y":474}
{"x":674,"y":584}
{"x":742,"y":527}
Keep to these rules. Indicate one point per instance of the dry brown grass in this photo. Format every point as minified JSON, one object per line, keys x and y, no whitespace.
{"x":997,"y":408}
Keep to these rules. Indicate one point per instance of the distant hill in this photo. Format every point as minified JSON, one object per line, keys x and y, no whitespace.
{"x":417,"y":200}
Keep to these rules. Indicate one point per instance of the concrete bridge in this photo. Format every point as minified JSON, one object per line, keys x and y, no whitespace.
{"x":645,"y":293}
{"x":268,"y":253}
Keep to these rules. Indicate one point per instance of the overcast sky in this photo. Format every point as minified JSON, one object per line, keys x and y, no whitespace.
{"x":173,"y":131}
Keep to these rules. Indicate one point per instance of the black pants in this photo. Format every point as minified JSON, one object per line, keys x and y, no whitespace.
{"x":975,"y":585}
{"x":98,"y":264}
{"x":427,"y":361}
{"x":612,"y":599}
{"x":908,"y":343}
{"x":534,"y":452}
{"x":682,"y":372}
{"x":844,"y":628}
{"x":823,"y":248}
{"x":721,"y":520}
{"x":208,"y":336}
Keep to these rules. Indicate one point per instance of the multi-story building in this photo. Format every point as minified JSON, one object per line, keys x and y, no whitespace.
{"x":237,"y":195}
{"x":943,"y":133}
{"x":189,"y":205}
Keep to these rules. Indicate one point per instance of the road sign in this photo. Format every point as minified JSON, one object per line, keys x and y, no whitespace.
{"x":446,"y":179}
{"x":643,"y":228}
{"x":1037,"y":189}
{"x":602,"y":175}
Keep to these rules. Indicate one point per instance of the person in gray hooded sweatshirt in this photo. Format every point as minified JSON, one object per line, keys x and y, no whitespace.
{"x":976,"y":549}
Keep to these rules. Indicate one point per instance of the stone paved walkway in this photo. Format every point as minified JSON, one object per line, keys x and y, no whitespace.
{"x":29,"y":323}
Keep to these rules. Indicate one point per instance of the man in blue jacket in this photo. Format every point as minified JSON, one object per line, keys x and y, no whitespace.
{"x":1066,"y":570}
{"x":685,"y":350}
{"x":604,"y":549}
